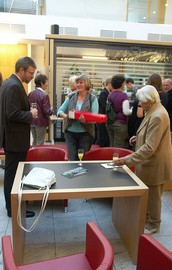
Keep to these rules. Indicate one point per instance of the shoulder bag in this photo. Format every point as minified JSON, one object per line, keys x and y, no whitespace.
{"x":41,"y":179}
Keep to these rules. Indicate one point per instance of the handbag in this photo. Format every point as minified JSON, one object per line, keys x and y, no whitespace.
{"x":41,"y":179}
{"x":110,"y":111}
{"x":111,"y":114}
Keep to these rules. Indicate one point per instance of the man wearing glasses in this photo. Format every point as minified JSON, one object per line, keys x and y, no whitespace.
{"x":15,"y":119}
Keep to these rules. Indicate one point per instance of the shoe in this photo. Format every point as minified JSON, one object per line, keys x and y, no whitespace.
{"x":8,"y":213}
{"x":150,"y":229}
{"x":29,"y":214}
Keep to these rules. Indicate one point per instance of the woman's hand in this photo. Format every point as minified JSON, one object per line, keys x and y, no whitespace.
{"x":64,"y":115}
{"x":82,"y":119}
{"x":119,"y":161}
{"x":132,"y":140}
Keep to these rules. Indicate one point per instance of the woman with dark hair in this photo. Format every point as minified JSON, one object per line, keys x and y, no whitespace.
{"x":38,"y":96}
{"x":156,"y":81}
{"x":79,"y":133}
{"x":118,"y":131}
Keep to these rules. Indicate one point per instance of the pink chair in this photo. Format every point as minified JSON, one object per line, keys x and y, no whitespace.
{"x":106,"y":153}
{"x":152,"y":255}
{"x":48,"y":153}
{"x":98,"y":255}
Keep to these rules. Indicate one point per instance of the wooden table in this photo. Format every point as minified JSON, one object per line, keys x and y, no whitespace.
{"x":53,"y":120}
{"x":128,"y":192}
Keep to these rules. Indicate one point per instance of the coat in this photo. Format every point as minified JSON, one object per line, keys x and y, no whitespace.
{"x":15,"y":116}
{"x":42,"y":100}
{"x":153,"y":155}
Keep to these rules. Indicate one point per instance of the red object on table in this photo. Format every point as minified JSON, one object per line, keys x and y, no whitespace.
{"x":89,"y":117}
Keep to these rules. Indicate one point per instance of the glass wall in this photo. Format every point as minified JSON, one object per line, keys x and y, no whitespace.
{"x":141,"y":11}
{"x":100,"y":59}
{"x":146,"y":11}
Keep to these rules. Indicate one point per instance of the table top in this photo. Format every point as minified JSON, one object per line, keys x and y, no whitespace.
{"x":96,"y":176}
{"x":54,"y":117}
{"x":98,"y":180}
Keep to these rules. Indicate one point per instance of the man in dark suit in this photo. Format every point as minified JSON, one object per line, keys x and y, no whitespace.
{"x":167,"y":86}
{"x":15,"y":119}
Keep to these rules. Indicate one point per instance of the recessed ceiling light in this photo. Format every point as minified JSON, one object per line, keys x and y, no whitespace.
{"x":154,"y":12}
{"x":8,"y":38}
{"x":166,"y":5}
{"x":144,"y":18}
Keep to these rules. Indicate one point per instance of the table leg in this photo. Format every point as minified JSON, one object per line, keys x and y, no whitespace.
{"x":52,"y":132}
{"x":18,"y":233}
{"x":128,"y":216}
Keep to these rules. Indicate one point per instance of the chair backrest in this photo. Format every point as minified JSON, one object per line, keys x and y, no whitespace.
{"x":7,"y":253}
{"x":99,"y":251}
{"x":48,"y":153}
{"x":106,"y":153}
{"x":152,"y":255}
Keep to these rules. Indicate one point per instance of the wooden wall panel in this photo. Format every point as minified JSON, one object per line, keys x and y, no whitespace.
{"x":8,"y":57}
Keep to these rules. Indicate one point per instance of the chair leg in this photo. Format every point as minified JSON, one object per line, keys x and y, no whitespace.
{"x":65,"y":205}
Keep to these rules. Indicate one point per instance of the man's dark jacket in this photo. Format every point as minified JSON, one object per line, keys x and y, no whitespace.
{"x":15,"y":116}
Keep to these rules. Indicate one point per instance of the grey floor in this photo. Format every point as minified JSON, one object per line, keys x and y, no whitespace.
{"x":60,"y":233}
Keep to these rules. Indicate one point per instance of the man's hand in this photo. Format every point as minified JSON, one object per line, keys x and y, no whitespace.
{"x":34,"y":113}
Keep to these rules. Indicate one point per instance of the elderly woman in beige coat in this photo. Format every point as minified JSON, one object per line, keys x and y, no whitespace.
{"x":153,"y":154}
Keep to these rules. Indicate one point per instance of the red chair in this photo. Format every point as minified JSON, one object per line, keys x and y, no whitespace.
{"x":48,"y":153}
{"x":152,"y":255}
{"x":106,"y":153}
{"x":2,"y":154}
{"x":98,"y":255}
{"x":2,"y":158}
{"x":59,"y":145}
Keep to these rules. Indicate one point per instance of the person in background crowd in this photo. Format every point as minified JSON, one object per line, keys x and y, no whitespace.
{"x":156,"y":81}
{"x":15,"y":120}
{"x":153,"y":146}
{"x":138,"y":113}
{"x":39,"y":96}
{"x":72,"y":83}
{"x":103,"y":136}
{"x":118,"y":131}
{"x":133,"y":88}
{"x":167,"y":86}
{"x":135,"y":119}
{"x":1,"y":79}
{"x":79,"y":133}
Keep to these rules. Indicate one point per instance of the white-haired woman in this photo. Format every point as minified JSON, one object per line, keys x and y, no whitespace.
{"x":153,"y":155}
{"x":72,"y":83}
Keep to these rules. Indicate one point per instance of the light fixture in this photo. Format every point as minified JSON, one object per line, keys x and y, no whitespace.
{"x":8,"y":38}
{"x":91,"y":57}
{"x":166,"y":5}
